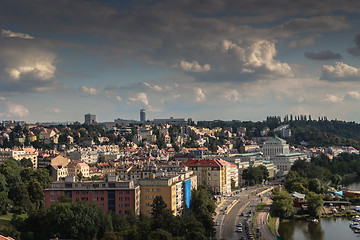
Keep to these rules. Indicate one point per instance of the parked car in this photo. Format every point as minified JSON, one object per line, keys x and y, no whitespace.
{"x":239,"y":229}
{"x":239,"y":225}
{"x":216,"y":223}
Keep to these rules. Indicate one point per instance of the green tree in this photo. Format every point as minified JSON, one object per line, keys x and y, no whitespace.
{"x":314,"y":202}
{"x":282,"y":205}
{"x":202,"y":205}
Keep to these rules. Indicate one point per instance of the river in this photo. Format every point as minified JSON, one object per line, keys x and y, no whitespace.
{"x":326,"y":229}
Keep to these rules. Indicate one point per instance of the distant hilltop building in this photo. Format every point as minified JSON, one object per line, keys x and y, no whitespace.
{"x":170,"y":121}
{"x":90,"y":119}
{"x":142,"y":115}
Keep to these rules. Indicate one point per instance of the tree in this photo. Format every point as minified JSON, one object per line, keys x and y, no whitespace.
{"x":314,"y":202}
{"x":282,"y":205}
{"x":26,"y":163}
{"x":202,"y":205}
{"x":79,"y":221}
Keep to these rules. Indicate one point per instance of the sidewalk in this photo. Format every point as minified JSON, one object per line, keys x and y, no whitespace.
{"x":262,"y":223}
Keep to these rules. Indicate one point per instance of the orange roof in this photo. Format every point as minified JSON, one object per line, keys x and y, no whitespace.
{"x":205,"y":163}
{"x":6,"y":238}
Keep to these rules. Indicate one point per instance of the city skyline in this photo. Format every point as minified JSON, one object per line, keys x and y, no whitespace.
{"x":215,"y":60}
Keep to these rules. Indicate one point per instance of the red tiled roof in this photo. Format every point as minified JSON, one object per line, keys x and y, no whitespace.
{"x":205,"y":163}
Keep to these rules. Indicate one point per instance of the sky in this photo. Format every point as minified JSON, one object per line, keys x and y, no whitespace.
{"x":206,"y":60}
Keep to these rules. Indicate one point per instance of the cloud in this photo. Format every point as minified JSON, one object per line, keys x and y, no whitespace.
{"x":305,"y":41}
{"x":193,"y":66}
{"x":140,"y":97}
{"x":154,"y":87}
{"x":355,"y":51}
{"x":199,"y":95}
{"x":255,"y":57}
{"x":10,"y":109}
{"x":232,"y":95}
{"x":311,"y":24}
{"x":333,"y":98}
{"x":323,"y":55}
{"x":340,"y":72}
{"x":10,"y":34}
{"x":353,"y":95}
{"x":26,"y":65}
{"x":89,"y":91}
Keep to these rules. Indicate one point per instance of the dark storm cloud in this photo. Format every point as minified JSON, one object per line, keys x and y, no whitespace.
{"x":355,"y":51}
{"x":181,"y":33}
{"x":323,"y":55}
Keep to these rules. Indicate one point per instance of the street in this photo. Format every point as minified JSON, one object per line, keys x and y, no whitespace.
{"x":235,"y":209}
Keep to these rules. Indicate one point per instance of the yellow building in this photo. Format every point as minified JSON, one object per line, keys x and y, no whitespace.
{"x":164,"y":187}
{"x":215,"y":173}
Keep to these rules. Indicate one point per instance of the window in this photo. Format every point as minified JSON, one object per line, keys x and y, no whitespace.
{"x":120,"y":198}
{"x":147,"y":197}
{"x":148,"y":204}
{"x":102,"y":199}
{"x":147,"y":190}
{"x":120,"y":205}
{"x":52,"y":192}
{"x":85,"y":199}
{"x":84,"y":192}
{"x":95,"y":199}
{"x":127,"y":205}
{"x":127,"y":198}
{"x":102,"y":205}
{"x":126,"y":192}
{"x":52,"y":199}
{"x":158,"y":190}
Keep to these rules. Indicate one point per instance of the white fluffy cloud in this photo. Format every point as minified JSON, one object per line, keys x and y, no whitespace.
{"x":26,"y":65}
{"x":154,"y":87}
{"x":89,"y":91}
{"x":340,"y":72}
{"x":354,"y":95}
{"x":199,"y":95}
{"x":193,"y":66}
{"x":140,"y":97}
{"x":10,"y":109}
{"x":10,"y":34}
{"x":256,"y":57}
{"x":333,"y":99}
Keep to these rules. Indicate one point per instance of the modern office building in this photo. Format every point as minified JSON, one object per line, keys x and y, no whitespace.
{"x":112,"y":195}
{"x":90,"y":119}
{"x":142,"y":115}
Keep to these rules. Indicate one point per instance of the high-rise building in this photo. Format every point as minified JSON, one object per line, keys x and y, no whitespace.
{"x":142,"y":115}
{"x":90,"y":119}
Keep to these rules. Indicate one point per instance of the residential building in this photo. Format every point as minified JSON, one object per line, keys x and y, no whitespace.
{"x":214,"y":173}
{"x":76,"y":167}
{"x":175,"y":191}
{"x":112,"y":195}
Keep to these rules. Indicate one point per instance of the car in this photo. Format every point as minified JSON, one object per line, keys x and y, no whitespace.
{"x":239,"y":225}
{"x":216,"y":223}
{"x":243,"y":238}
{"x":241,"y":214}
{"x":239,"y":229}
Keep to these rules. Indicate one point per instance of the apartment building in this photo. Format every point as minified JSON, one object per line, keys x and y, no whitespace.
{"x":175,"y":191}
{"x":214,"y":173}
{"x":112,"y":195}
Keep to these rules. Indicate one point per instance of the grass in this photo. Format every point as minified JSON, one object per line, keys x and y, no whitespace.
{"x":272,"y":224}
{"x":9,"y":216}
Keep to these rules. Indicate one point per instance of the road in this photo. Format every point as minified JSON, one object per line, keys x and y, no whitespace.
{"x":230,"y":210}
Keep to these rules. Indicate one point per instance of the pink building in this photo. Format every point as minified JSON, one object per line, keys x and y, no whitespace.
{"x":111,"y":195}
